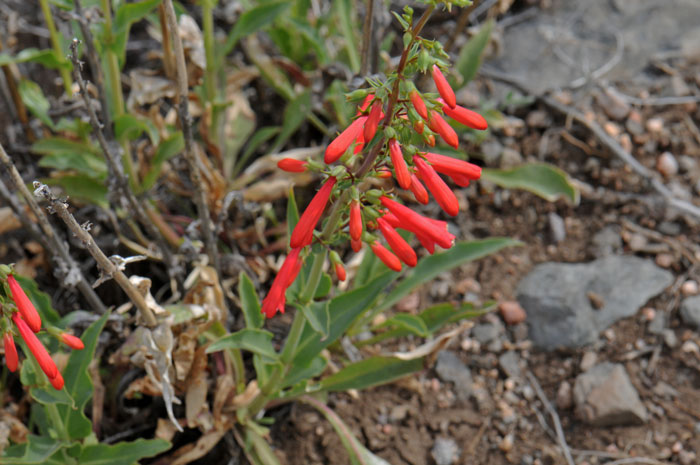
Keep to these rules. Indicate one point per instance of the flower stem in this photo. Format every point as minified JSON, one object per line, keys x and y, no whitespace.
{"x":314,"y":278}
{"x":56,"y":43}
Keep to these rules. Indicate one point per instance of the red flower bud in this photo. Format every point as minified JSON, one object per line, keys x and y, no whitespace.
{"x":355,"y":221}
{"x":418,"y":104}
{"x":388,"y":258}
{"x":340,"y":144}
{"x":441,"y":191}
{"x":275,"y":299}
{"x":24,"y":305}
{"x":397,"y":243}
{"x":57,"y":382}
{"x":356,"y":245}
{"x":340,"y":272}
{"x":72,"y":341}
{"x":467,"y":117}
{"x":456,"y":169}
{"x":383,"y":173}
{"x":403,"y":176}
{"x":304,"y":231}
{"x":418,"y":190}
{"x":443,"y":87}
{"x":37,"y":349}
{"x":419,"y":127}
{"x":292,"y":165}
{"x":372,"y":122}
{"x":431,"y":140}
{"x":11,"y":359}
{"x":365,"y":103}
{"x":438,"y":124}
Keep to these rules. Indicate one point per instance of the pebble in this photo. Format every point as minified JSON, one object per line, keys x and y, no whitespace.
{"x":666,"y":164}
{"x":512,"y":312}
{"x":538,"y":119}
{"x":687,"y":457}
{"x":689,"y":288}
{"x":506,"y":444}
{"x":510,"y":158}
{"x":445,"y":451}
{"x":670,"y":338}
{"x":510,"y":364}
{"x":485,"y":332}
{"x":664,"y":260}
{"x":528,"y":392}
{"x":612,"y":129}
{"x":588,"y":360}
{"x":565,"y":396}
{"x":655,"y":124}
{"x":399,"y":413}
{"x":557,"y":228}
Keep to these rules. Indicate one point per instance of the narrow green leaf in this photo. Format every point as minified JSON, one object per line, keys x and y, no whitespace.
{"x":257,"y":341}
{"x":411,"y":323}
{"x":324,"y":286}
{"x":261,"y":136}
{"x":46,"y":57}
{"x":82,"y":187}
{"x":249,"y":302}
{"x":317,"y":315}
{"x":130,"y":127}
{"x":122,"y":453}
{"x":295,"y":114}
{"x":370,"y":372}
{"x":166,"y":150}
{"x":34,"y":99}
{"x":60,"y":145}
{"x":253,"y":20}
{"x":292,"y":212}
{"x":542,"y":179}
{"x":125,"y":16}
{"x":37,"y":450}
{"x":469,"y":58}
{"x":348,"y":27}
{"x":299,"y":373}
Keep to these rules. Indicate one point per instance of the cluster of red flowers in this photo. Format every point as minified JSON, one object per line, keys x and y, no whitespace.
{"x":27,"y":322}
{"x":385,"y":214}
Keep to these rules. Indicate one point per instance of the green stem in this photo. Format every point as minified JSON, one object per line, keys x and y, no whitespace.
{"x":113,"y":73}
{"x":314,"y":277}
{"x":238,"y":369}
{"x":56,"y":43}
{"x":208,"y":26}
{"x":292,"y":342}
{"x":52,"y":412}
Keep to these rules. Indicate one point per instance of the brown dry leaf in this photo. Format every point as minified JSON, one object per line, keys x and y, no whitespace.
{"x":224,"y":389}
{"x":268,"y":164}
{"x":204,"y":289}
{"x":144,"y":385}
{"x":246,"y":397}
{"x":183,"y":355}
{"x":192,"y":41}
{"x":191,"y":452}
{"x":8,"y":220}
{"x":196,"y":399}
{"x":165,"y":429}
{"x":11,"y":429}
{"x":148,"y":89}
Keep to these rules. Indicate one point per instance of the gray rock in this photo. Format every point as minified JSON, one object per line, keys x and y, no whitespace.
{"x":670,"y":338}
{"x":555,"y":297}
{"x":510,"y":364}
{"x":556,"y":227}
{"x":451,"y":369}
{"x":491,"y":150}
{"x":510,"y":158}
{"x":605,"y":396}
{"x":606,"y":242}
{"x":658,"y":323}
{"x":445,"y":451}
{"x":690,"y":311}
{"x":485,"y":332}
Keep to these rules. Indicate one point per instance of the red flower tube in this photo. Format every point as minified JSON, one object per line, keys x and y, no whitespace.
{"x":292,"y":165}
{"x":418,"y":104}
{"x":275,"y":299}
{"x":418,"y":190}
{"x":418,"y":224}
{"x":340,"y":272}
{"x":72,"y":341}
{"x":441,"y":191}
{"x":340,"y":144}
{"x":397,"y":243}
{"x":11,"y":359}
{"x":372,"y":122}
{"x":359,"y":144}
{"x":24,"y":305}
{"x":403,"y":176}
{"x":430,"y":140}
{"x":388,"y":258}
{"x":453,"y":167}
{"x":355,"y":221}
{"x":438,"y":124}
{"x":383,"y":173}
{"x":419,"y":126}
{"x":57,"y":382}
{"x":304,"y":231}
{"x":443,"y":87}
{"x":37,"y":349}
{"x":460,"y":179}
{"x":467,"y":117}
{"x":356,"y":245}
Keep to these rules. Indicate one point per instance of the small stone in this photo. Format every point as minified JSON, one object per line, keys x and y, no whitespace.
{"x":510,"y":158}
{"x":512,"y":312}
{"x":445,"y":451}
{"x":669,"y":228}
{"x":663,"y":389}
{"x":557,"y":227}
{"x":565,"y":396}
{"x":687,"y":163}
{"x":670,"y":338}
{"x":451,"y":369}
{"x":510,"y":364}
{"x":637,"y":242}
{"x":655,"y":124}
{"x":687,"y":457}
{"x":528,"y":392}
{"x":491,"y":150}
{"x":485,"y":332}
{"x":605,"y":242}
{"x":634,"y":124}
{"x":690,"y":347}
{"x":538,"y":119}
{"x":612,"y":129}
{"x":399,"y":413}
{"x":676,"y":447}
{"x":613,"y":106}
{"x":657,"y":323}
{"x":588,"y":360}
{"x":690,"y":311}
{"x":689,"y":288}
{"x":666,"y":164}
{"x":596,"y":300}
{"x":506,"y":444}
{"x":648,"y":313}
{"x":664,"y":260}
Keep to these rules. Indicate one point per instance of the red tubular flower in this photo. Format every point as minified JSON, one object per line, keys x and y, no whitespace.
{"x":465,"y":116}
{"x":72,"y":341}
{"x":35,"y":347}
{"x":453,"y":167}
{"x":388,"y":258}
{"x":24,"y":305}
{"x":355,"y":221}
{"x":418,"y":104}
{"x":275,"y":299}
{"x":340,"y":272}
{"x":365,"y":103}
{"x":397,"y":243}
{"x":438,"y":124}
{"x":431,"y":140}
{"x":443,"y":87}
{"x":418,"y":224}
{"x":340,"y":144}
{"x":441,"y":191}
{"x":304,"y":231}
{"x":460,"y":179}
{"x":292,"y":165}
{"x":57,"y":382}
{"x":356,"y":245}
{"x":418,"y":190}
{"x":359,"y":144}
{"x":383,"y":173}
{"x":11,"y":359}
{"x":372,"y":122}
{"x":418,"y":126}
{"x":403,"y":176}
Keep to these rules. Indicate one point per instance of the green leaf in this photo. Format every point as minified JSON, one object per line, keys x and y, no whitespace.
{"x":257,"y":341}
{"x":261,"y":136}
{"x":37,"y":450}
{"x":82,"y":187}
{"x":370,"y":372}
{"x":317,"y":315}
{"x":122,"y":453}
{"x":34,"y":99}
{"x":40,"y":299}
{"x":411,"y":323}
{"x":125,"y":16}
{"x":295,"y":114}
{"x":130,"y":127}
{"x":60,"y":145}
{"x":469,"y":58}
{"x":166,"y":150}
{"x":324,"y":286}
{"x":249,"y":302}
{"x":299,"y":373}
{"x":429,"y":267}
{"x":343,"y":310}
{"x":370,"y":267}
{"x":292,"y":213}
{"x":65,"y":154}
{"x":253,"y":20}
{"x":78,"y":383}
{"x":348,"y":27}
{"x":544,"y":180}
{"x":46,"y":57}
